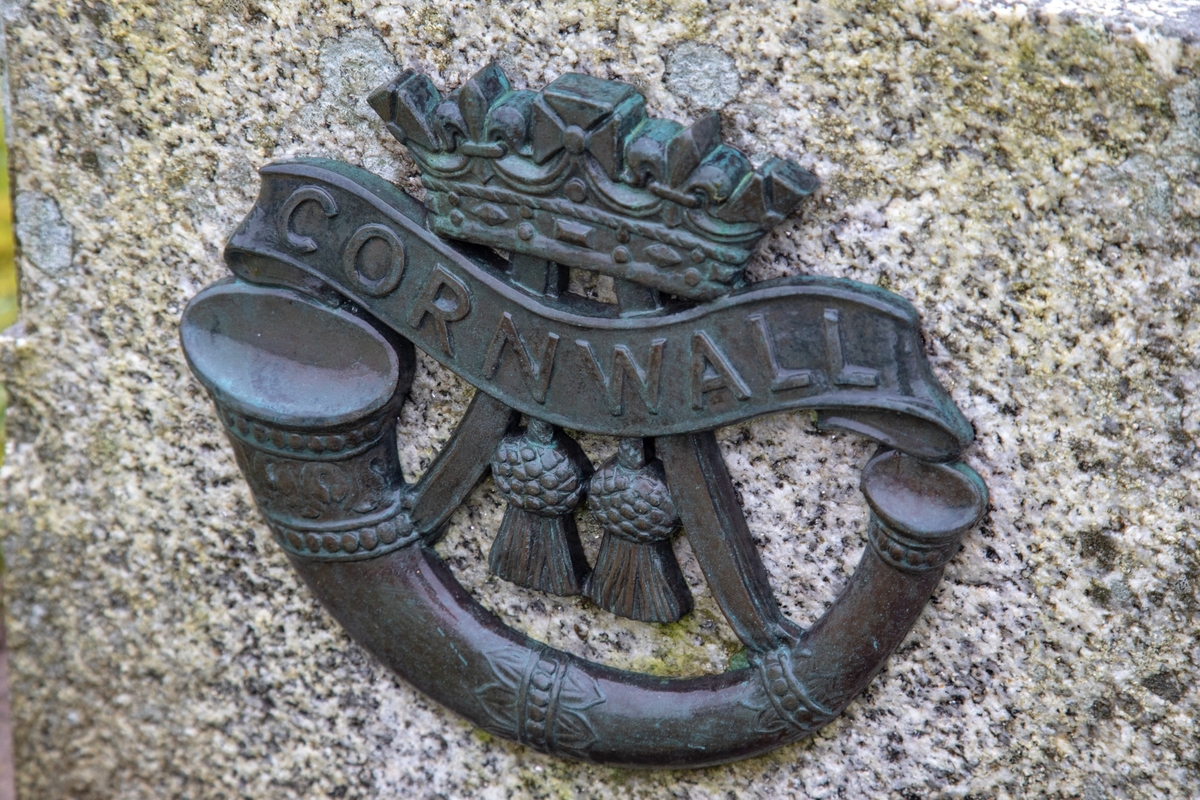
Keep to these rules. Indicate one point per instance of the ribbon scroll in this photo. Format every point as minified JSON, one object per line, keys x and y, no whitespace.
{"x":849,"y":351}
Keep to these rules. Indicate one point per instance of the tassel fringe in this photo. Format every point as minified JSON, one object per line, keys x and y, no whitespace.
{"x":639,"y":581}
{"x":537,"y":552}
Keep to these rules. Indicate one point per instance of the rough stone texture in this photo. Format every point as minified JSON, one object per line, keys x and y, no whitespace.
{"x":702,"y":74}
{"x":1028,"y":180}
{"x":45,"y":236}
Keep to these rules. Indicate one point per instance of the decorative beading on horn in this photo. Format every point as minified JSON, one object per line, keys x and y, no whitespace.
{"x":313,"y":432}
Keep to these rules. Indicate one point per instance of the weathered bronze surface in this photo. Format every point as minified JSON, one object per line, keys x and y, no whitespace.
{"x":309,"y":353}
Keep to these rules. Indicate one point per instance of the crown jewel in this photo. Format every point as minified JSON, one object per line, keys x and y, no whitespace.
{"x":578,"y":175}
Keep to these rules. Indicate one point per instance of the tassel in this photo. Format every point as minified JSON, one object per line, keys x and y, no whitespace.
{"x":636,"y":574}
{"x":542,"y":473}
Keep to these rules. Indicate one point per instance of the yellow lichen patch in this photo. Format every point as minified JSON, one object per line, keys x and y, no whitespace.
{"x":429,"y":23}
{"x":8,"y":272}
{"x":8,"y":267}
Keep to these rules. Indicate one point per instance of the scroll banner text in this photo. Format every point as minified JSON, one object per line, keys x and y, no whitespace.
{"x":850,"y":351}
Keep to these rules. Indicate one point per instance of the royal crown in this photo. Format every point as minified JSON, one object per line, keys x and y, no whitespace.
{"x":578,"y":175}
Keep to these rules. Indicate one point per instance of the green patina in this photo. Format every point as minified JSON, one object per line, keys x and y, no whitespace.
{"x":1055,"y":294}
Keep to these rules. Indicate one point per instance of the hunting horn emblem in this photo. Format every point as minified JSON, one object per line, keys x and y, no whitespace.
{"x":308,"y":354}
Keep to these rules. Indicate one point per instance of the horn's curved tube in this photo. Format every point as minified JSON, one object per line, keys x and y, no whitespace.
{"x":409,"y":611}
{"x":314,"y":433}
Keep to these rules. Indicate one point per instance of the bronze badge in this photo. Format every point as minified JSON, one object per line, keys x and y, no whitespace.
{"x":309,"y":353}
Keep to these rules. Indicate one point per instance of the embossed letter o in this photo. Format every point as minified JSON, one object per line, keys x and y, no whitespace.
{"x":368,"y":270}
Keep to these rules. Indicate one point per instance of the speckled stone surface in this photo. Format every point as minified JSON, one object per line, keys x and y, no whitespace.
{"x":1028,"y":178}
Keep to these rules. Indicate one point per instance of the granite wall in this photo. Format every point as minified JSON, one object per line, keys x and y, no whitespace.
{"x":1028,"y":179}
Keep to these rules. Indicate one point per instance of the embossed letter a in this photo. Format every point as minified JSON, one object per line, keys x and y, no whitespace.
{"x":711,"y":370}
